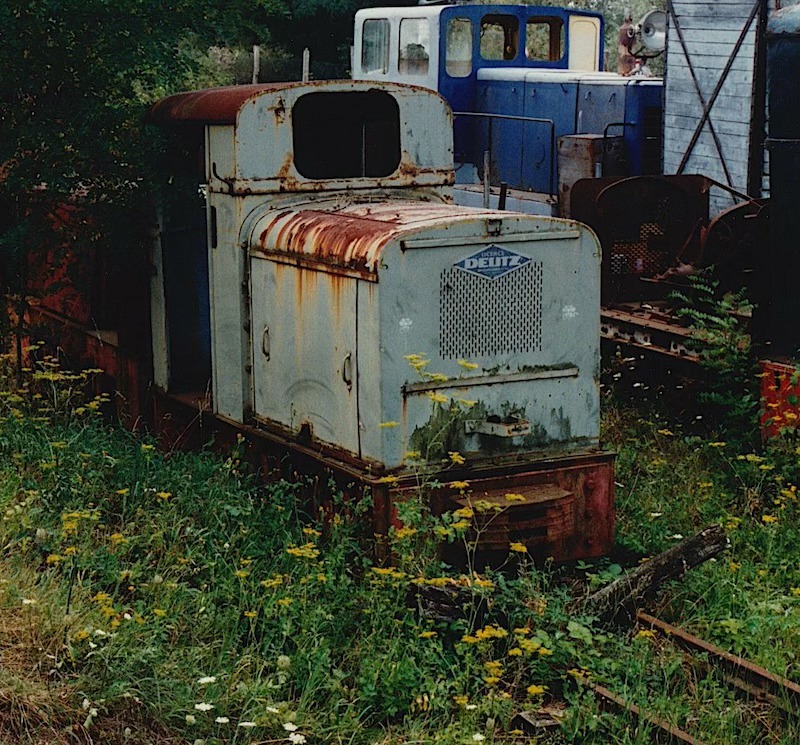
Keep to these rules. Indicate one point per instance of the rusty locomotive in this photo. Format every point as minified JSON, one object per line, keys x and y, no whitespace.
{"x":315,"y":290}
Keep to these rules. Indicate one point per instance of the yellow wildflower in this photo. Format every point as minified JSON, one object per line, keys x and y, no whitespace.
{"x":515,"y":652}
{"x":666,"y":433}
{"x":535,"y":690}
{"x":511,"y":497}
{"x":437,"y":581}
{"x":460,"y":485}
{"x":718,"y":444}
{"x":404,"y":532}
{"x":519,"y":548}
{"x":413,"y":455}
{"x":241,"y":573}
{"x":437,"y":377}
{"x":545,"y":652}
{"x":464,"y":513}
{"x":529,"y":645}
{"x":469,"y":639}
{"x":69,"y":527}
{"x":164,"y":495}
{"x":427,"y":634}
{"x":123,"y":492}
{"x":769,"y":519}
{"x":250,"y":613}
{"x":457,"y":458}
{"x":466,"y":403}
{"x":437,"y":398}
{"x":461,"y":700}
{"x":388,"y":480}
{"x":491,"y":632}
{"x":483,"y":584}
{"x":460,"y":525}
{"x":491,"y":680}
{"x":387,"y":425}
{"x":159,"y":612}
{"x":306,"y":551}
{"x":645,"y":634}
{"x":468,"y":365}
{"x":284,"y":602}
{"x":311,"y":532}
{"x":579,"y":674}
{"x":54,"y":559}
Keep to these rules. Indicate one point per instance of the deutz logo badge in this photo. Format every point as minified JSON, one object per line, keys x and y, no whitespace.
{"x":492,"y":262}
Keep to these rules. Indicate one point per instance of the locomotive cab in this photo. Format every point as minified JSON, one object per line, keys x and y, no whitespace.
{"x":357,"y":315}
{"x":534,"y":111}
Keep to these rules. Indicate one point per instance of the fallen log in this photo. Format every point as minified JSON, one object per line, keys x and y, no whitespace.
{"x":618,"y":602}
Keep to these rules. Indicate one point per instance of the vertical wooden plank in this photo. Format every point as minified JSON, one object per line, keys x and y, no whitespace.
{"x":711,"y":31}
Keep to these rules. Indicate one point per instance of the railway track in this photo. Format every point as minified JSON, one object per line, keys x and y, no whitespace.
{"x":742,"y":676}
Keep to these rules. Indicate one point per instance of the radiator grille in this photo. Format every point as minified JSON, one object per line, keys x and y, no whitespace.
{"x":481,"y":317}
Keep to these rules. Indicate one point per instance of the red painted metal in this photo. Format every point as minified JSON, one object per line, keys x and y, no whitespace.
{"x":208,"y":106}
{"x":780,"y":397}
{"x":563,"y":506}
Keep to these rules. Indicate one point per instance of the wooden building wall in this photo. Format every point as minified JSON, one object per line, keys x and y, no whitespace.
{"x":709,"y":42}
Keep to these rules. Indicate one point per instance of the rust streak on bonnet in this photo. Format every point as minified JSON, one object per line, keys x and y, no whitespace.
{"x":354,"y":236}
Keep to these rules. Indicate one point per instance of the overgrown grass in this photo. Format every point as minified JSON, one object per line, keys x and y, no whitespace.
{"x":152,"y":598}
{"x":179,"y":591}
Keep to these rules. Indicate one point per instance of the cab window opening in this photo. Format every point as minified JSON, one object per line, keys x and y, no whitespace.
{"x":544,"y":39}
{"x":375,"y":46}
{"x":499,"y":37}
{"x":415,"y":47}
{"x":458,"y":49}
{"x":346,"y":135}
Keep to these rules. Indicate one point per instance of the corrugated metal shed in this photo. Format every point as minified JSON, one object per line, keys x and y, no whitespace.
{"x":714,"y":111}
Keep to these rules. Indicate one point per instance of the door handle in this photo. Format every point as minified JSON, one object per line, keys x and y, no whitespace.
{"x":265,"y":342}
{"x":347,"y":370}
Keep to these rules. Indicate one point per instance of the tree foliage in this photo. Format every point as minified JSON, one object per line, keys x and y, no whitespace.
{"x":78,"y":75}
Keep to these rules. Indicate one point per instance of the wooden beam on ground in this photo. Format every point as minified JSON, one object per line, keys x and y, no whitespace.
{"x":618,"y":602}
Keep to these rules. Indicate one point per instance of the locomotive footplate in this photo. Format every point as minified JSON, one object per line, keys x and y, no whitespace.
{"x":559,"y":507}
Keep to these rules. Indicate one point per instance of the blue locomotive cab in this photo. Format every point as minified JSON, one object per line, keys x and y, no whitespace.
{"x":442,"y":47}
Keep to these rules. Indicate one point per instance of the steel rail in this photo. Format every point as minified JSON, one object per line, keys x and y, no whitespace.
{"x":747,"y":676}
{"x":611,"y":701}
